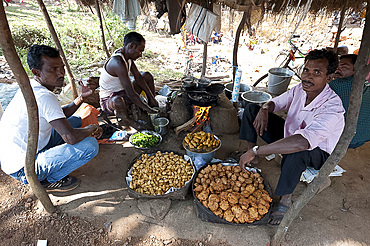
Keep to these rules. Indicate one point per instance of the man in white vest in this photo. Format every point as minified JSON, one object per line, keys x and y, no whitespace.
{"x":117,"y":91}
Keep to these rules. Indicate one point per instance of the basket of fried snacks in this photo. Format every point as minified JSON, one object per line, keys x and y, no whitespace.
{"x":223,"y":193}
{"x":160,"y":175}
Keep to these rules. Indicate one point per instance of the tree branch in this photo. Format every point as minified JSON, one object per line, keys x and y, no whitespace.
{"x":11,"y":56}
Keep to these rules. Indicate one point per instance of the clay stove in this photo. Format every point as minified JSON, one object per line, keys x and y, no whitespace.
{"x":192,"y":111}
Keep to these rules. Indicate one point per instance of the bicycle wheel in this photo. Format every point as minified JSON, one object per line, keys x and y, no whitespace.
{"x":281,"y":59}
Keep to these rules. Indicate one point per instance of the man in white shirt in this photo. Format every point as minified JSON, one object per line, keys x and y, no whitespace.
{"x":62,"y":145}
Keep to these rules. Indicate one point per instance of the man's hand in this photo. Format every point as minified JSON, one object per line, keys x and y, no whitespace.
{"x":98,"y":132}
{"x":245,"y":159}
{"x":152,"y":110}
{"x":154,"y":103}
{"x":261,"y":121}
{"x":86,"y":89}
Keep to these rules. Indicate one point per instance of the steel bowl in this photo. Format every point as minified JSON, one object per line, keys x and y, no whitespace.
{"x":149,"y":132}
{"x":206,"y":156}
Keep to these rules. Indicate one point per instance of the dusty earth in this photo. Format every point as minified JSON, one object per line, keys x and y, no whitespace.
{"x":100,"y":212}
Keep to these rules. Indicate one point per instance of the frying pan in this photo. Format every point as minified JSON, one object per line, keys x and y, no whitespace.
{"x":213,"y":89}
{"x":202,"y":99}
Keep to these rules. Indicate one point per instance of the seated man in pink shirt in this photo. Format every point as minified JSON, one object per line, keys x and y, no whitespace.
{"x":307,"y":137}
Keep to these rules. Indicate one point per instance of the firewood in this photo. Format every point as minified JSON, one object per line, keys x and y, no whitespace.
{"x":185,"y":125}
{"x":198,"y":127}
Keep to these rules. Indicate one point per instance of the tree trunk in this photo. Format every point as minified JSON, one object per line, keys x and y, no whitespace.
{"x":101,"y":28}
{"x":7,"y":45}
{"x":59,"y":46}
{"x":361,"y":71}
{"x":342,"y":12}
{"x":204,"y":65}
{"x":236,"y":43}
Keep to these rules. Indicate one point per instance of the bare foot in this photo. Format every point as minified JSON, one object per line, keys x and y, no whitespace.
{"x":130,"y":125}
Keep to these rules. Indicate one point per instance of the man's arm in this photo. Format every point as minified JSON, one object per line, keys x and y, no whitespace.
{"x":117,"y":67}
{"x":72,"y":135}
{"x":261,"y":120}
{"x":141,"y":82}
{"x":71,"y":108}
{"x":288,"y":145}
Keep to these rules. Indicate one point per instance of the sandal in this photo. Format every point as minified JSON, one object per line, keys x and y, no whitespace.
{"x":235,"y":155}
{"x":278,"y":213}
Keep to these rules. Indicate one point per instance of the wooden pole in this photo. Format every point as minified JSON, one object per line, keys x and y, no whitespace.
{"x":204,"y":65}
{"x":97,"y":7}
{"x":362,"y":69}
{"x":236,"y":43}
{"x":59,"y":46}
{"x":340,"y":30}
{"x":11,"y":56}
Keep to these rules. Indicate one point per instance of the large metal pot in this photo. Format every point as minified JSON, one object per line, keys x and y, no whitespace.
{"x":229,"y":89}
{"x":258,"y":97}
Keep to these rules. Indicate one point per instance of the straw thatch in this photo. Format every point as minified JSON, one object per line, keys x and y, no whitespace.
{"x":278,"y":6}
{"x":265,"y":6}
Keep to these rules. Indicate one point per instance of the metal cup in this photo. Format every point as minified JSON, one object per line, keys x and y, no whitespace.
{"x":161,"y":125}
{"x":153,"y":116}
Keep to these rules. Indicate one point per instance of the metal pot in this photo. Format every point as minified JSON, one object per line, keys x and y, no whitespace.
{"x":203,"y":83}
{"x":229,"y":89}
{"x":258,"y":97}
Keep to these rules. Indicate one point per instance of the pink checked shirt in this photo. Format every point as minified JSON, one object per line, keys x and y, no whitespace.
{"x":321,"y":122}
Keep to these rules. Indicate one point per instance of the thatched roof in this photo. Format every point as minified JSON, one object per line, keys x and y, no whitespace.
{"x":278,"y":6}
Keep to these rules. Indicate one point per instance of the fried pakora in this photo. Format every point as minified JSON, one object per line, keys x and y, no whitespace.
{"x":232,"y":194}
{"x":229,"y":216}
{"x":233,"y":198}
{"x":203,"y":195}
{"x":224,"y":205}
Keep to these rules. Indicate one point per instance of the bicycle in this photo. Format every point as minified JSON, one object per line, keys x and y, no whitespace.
{"x":288,"y":58}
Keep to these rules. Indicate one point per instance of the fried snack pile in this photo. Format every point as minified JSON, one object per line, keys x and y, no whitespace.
{"x":156,"y":174}
{"x":232,"y":194}
{"x":201,"y":142}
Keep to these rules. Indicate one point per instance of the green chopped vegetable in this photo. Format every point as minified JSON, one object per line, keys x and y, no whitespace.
{"x":144,"y":139}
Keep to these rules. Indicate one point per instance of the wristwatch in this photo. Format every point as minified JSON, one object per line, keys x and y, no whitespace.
{"x":255,"y":148}
{"x":265,"y":106}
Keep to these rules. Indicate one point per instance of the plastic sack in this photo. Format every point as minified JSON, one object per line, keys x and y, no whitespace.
{"x":201,"y":22}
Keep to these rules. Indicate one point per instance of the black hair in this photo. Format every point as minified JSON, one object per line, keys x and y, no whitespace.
{"x":352,"y":57}
{"x":133,"y":37}
{"x":35,"y":53}
{"x":324,"y":54}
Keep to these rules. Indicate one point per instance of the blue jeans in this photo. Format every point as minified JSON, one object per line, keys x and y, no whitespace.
{"x":59,"y":159}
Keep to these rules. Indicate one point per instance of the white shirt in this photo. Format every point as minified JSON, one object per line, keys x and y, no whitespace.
{"x":14,"y":126}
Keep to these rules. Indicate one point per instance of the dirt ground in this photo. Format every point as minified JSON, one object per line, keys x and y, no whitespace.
{"x":100,"y":212}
